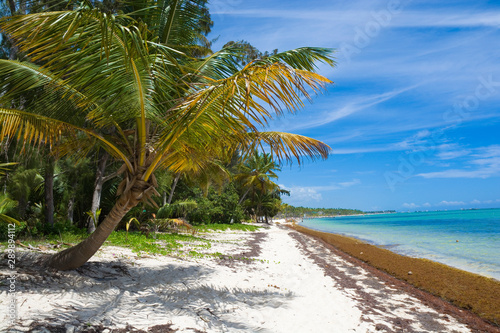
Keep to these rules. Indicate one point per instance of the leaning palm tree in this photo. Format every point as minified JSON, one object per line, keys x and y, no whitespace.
{"x":112,"y":81}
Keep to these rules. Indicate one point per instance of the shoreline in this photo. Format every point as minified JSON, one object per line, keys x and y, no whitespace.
{"x":272,"y":280}
{"x":401,"y":253}
{"x":470,"y":291}
{"x":467,"y":263}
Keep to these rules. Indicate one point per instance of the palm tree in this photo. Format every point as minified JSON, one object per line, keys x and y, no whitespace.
{"x":135,"y":90}
{"x":256,"y":174}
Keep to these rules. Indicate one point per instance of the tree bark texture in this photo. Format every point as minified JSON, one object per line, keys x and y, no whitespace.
{"x":244,"y":196}
{"x":71,"y":209}
{"x":49,"y":191}
{"x":12,"y":7}
{"x":131,"y":191}
{"x":96,"y":197}
{"x":79,"y":254}
{"x":173,"y":188}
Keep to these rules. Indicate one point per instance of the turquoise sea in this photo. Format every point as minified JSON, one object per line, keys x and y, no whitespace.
{"x":465,"y":239}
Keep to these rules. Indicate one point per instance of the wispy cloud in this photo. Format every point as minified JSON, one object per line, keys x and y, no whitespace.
{"x":485,"y":163}
{"x":303,"y":194}
{"x":410,"y":205}
{"x":362,"y":150}
{"x":451,"y":203}
{"x":350,"y":108}
{"x":314,"y":193}
{"x":448,"y":18}
{"x":408,"y":18}
{"x":451,"y":151}
{"x":349,"y":184}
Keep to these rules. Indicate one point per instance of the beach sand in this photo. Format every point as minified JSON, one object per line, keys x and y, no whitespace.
{"x":272,"y":280}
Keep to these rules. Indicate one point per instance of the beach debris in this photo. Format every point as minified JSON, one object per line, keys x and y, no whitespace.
{"x":410,"y":273}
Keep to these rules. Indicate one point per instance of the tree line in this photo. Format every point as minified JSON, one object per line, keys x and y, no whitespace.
{"x":301,"y":212}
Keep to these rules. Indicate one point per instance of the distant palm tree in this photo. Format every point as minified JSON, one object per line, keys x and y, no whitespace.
{"x":256,"y":173}
{"x":130,"y":84}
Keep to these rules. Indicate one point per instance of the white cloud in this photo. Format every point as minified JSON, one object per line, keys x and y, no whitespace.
{"x":426,"y":205}
{"x":350,"y":108}
{"x":485,"y":163}
{"x":422,"y":140}
{"x":303,"y":194}
{"x":313,"y":193}
{"x":410,"y":205}
{"x":450,"y":203}
{"x":451,"y":151}
{"x":363,"y":150}
{"x":456,"y":173}
{"x":448,"y":19}
{"x":359,"y":14}
{"x":475,"y":202}
{"x":351,"y":183}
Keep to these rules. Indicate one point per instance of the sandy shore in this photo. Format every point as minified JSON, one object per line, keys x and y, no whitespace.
{"x":273,"y":280}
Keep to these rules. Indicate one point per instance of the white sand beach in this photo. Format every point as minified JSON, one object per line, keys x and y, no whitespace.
{"x":272,"y":280}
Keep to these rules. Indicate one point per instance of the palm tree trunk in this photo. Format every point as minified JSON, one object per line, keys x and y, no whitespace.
{"x":22,"y":207}
{"x":49,"y":191}
{"x":173,"y":188}
{"x":13,"y":48}
{"x":71,"y":209}
{"x":96,"y":197}
{"x":71,"y":201}
{"x":12,"y":7}
{"x":244,"y":196}
{"x":79,"y":254}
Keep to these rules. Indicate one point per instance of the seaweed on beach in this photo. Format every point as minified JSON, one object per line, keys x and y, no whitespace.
{"x":469,"y":291}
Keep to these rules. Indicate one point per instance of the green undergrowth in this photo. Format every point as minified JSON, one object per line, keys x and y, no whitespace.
{"x":159,"y":243}
{"x":174,"y":244}
{"x":51,"y":239}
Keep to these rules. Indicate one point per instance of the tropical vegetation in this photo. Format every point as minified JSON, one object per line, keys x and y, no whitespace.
{"x":300,"y":212}
{"x":129,"y":98}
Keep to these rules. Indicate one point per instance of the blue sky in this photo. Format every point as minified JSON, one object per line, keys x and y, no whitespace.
{"x":413,"y":117}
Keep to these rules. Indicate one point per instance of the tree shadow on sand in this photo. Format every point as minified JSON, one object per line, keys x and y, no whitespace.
{"x":105,"y":294}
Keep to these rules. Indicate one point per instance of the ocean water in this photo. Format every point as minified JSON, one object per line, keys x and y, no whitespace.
{"x":465,"y":239}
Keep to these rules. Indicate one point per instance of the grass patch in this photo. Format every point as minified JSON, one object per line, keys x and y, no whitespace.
{"x":466,"y":290}
{"x":164,"y":243}
{"x":224,"y":227}
{"x":159,"y":243}
{"x":65,"y":237}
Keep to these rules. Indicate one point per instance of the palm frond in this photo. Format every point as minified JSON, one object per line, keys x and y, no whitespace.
{"x":283,"y":145}
{"x":36,"y":129}
{"x":4,"y":167}
{"x":239,"y":101}
{"x":304,"y":58}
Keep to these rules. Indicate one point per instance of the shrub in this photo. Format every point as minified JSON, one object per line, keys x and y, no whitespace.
{"x":218,"y":207}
